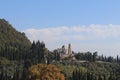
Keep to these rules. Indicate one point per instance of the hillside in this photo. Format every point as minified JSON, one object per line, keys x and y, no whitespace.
{"x":96,"y":69}
{"x":8,"y":35}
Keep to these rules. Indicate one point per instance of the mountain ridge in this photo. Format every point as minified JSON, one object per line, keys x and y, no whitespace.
{"x":8,"y":34}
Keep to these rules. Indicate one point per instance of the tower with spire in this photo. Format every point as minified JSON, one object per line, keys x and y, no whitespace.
{"x":69,"y":49}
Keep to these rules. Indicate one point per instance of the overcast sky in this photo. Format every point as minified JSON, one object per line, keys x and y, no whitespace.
{"x":89,"y":25}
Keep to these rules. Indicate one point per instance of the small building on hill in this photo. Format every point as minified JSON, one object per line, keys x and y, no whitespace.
{"x":66,"y":52}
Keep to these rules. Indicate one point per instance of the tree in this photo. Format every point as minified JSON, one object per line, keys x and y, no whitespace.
{"x":110,"y":59}
{"x":117,"y":58}
{"x":94,"y":56}
{"x":45,"y":72}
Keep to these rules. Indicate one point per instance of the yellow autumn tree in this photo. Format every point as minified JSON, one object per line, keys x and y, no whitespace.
{"x":45,"y":72}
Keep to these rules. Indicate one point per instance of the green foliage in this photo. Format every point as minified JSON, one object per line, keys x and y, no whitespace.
{"x":93,"y":70}
{"x":12,"y":42}
{"x":4,"y":61}
{"x":10,"y":70}
{"x":8,"y":35}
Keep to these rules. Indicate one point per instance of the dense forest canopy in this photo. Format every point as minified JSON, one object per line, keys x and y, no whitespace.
{"x":8,"y":35}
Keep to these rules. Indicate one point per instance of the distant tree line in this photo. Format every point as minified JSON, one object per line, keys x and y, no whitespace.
{"x":92,"y":57}
{"x":87,"y":75}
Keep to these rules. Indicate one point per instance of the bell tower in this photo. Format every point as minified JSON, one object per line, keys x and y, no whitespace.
{"x":69,"y":49}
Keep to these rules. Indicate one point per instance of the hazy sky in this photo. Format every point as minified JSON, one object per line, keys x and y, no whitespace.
{"x":89,"y":25}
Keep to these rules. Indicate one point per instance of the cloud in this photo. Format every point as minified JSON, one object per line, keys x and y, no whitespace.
{"x":106,"y":30}
{"x":90,"y":37}
{"x":75,"y":32}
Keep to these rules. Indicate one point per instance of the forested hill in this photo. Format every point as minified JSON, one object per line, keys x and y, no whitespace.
{"x":10,"y":36}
